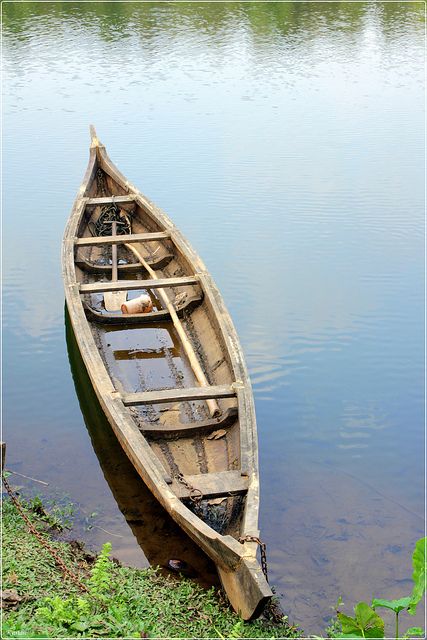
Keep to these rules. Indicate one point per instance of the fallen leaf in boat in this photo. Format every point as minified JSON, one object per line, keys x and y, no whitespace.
{"x":216,"y":500}
{"x":216,"y":435}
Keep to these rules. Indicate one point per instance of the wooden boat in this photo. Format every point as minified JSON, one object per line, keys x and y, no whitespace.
{"x":172,"y":382}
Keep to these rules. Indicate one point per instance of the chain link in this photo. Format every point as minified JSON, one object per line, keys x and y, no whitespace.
{"x":195,"y":496}
{"x":32,"y":529}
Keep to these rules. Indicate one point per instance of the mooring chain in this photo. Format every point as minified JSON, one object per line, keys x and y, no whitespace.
{"x":195,"y":496}
{"x":32,"y":529}
{"x":263,"y":551}
{"x":273,"y":609}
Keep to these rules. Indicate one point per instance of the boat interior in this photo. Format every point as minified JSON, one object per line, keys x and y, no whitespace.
{"x":197,"y":443}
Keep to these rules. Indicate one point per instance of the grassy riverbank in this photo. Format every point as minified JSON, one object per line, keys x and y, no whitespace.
{"x":121,"y":602}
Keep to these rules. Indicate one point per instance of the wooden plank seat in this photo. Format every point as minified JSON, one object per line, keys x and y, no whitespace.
{"x":109,"y":200}
{"x":135,"y":285}
{"x":178,"y":395}
{"x":133,"y":267}
{"x":92,"y":241}
{"x":213,"y":485}
{"x":162,"y":315}
{"x":186,"y":430}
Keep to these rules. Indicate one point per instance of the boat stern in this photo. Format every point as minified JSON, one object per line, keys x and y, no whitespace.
{"x":246,"y":588}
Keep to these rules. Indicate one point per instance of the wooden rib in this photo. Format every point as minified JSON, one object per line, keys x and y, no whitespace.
{"x":139,"y":318}
{"x":135,"y":285}
{"x":213,"y":485}
{"x":92,"y":241}
{"x":157,"y":430}
{"x":178,"y":395}
{"x":109,"y":200}
{"x":213,"y":406}
{"x":133,"y":267}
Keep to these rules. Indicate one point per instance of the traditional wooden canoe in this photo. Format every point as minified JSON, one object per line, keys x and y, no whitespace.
{"x":172,"y":382}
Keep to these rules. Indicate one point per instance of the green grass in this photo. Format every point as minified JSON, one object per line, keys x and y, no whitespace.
{"x":123,"y":602}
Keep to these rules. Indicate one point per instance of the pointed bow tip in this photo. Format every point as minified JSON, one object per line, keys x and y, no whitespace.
{"x":94,"y":141}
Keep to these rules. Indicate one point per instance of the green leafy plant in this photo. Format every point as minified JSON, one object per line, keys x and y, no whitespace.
{"x":100,"y":577}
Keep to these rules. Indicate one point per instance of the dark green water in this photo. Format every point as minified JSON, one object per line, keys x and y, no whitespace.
{"x":286,"y":141}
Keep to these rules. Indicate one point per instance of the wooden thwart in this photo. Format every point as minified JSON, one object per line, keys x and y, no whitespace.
{"x":178,"y":395}
{"x":213,"y":485}
{"x":92,"y":241}
{"x":110,"y":200}
{"x":135,"y":285}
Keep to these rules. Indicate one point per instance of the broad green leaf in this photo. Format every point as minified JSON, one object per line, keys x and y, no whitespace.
{"x":348,"y":624}
{"x":366,"y":623}
{"x":395,"y":605}
{"x":367,"y":618}
{"x":414,"y":632}
{"x":419,"y":575}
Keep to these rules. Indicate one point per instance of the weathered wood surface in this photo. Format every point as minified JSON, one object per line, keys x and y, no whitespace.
{"x":240,"y":573}
{"x":178,"y":395}
{"x":135,"y":285}
{"x":93,"y":241}
{"x":109,"y":200}
{"x":114,"y":298}
{"x":188,"y":429}
{"x":188,"y":347}
{"x":213,"y":485}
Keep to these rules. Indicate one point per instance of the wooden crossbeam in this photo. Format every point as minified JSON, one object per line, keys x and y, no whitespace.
{"x":213,"y":485}
{"x":135,"y":285}
{"x":110,"y":199}
{"x":178,"y":395}
{"x":93,"y":241}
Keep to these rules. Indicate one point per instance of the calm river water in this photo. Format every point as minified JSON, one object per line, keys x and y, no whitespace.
{"x":286,"y":141}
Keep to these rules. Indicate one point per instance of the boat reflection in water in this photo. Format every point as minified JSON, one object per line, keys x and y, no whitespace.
{"x":161,"y":540}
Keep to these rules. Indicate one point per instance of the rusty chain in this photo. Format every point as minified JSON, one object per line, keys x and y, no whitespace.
{"x":273,"y":609}
{"x":263,"y":551}
{"x":32,"y":529}
{"x":195,"y":496}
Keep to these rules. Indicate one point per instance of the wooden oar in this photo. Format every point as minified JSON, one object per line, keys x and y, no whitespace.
{"x":195,"y":365}
{"x":113,"y":300}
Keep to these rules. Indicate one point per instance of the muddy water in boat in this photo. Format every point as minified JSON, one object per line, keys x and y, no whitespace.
{"x":285,"y":141}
